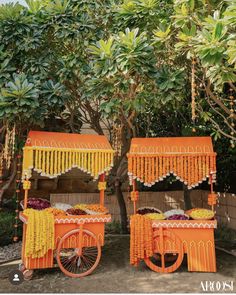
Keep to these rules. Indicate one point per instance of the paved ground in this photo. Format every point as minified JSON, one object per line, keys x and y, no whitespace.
{"x":115,"y":275}
{"x":10,"y":252}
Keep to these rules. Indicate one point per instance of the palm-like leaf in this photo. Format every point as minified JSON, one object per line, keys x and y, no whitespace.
{"x":11,"y":11}
{"x":19,"y":97}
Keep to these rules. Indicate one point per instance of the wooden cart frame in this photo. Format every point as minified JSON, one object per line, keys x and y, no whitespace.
{"x":78,"y":239}
{"x":192,"y":160}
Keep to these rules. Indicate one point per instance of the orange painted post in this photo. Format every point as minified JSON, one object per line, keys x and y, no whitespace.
{"x":26,"y":198}
{"x":80,"y":239}
{"x":134,"y":197}
{"x":212,"y":191}
{"x":135,"y":207}
{"x":26,"y":187}
{"x":211,"y":182}
{"x":162,"y":250}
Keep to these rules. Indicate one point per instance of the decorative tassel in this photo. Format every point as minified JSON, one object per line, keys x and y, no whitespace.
{"x":17,"y":186}
{"x":142,"y":169}
{"x":160,"y":167}
{"x":66,"y":161}
{"x":157,"y":168}
{"x":146,"y":170}
{"x":89,"y":161}
{"x":52,"y":163}
{"x":135,"y":166}
{"x":47,"y":162}
{"x":153,"y":170}
{"x":39,"y":160}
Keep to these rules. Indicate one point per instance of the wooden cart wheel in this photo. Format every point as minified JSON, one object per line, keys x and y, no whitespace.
{"x":78,"y":262}
{"x":165,"y":242}
{"x":22,"y":267}
{"x":28,"y":274}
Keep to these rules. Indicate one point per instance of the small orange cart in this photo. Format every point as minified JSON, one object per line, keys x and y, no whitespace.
{"x":78,"y":239}
{"x":192,"y":160}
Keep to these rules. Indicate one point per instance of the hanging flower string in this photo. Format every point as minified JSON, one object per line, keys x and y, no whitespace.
{"x":141,"y":242}
{"x":116,"y":139}
{"x":232,"y":101}
{"x":193,"y":90}
{"x":18,"y":178}
{"x":8,"y":150}
{"x":9,"y":147}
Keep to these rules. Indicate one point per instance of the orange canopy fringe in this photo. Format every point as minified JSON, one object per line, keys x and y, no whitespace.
{"x":190,"y":159}
{"x":140,"y":238}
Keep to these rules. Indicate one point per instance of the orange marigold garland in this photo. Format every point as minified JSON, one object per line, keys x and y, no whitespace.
{"x":140,"y":238}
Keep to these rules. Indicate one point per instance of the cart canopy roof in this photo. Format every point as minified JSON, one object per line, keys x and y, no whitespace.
{"x":190,"y":159}
{"x":53,"y":153}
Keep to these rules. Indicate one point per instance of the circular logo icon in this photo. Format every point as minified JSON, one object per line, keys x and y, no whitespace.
{"x":16,"y":277}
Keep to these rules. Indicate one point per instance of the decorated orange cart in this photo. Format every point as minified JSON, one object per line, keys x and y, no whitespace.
{"x":192,"y":161}
{"x":77,"y":238}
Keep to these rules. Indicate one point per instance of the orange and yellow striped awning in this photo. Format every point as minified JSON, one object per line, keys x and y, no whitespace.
{"x":53,"y":153}
{"x":190,"y":159}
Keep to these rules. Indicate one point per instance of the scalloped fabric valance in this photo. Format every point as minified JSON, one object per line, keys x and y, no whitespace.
{"x":191,"y":159}
{"x":53,"y":153}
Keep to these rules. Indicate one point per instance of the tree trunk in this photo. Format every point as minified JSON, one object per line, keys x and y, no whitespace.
{"x":8,"y":182}
{"x":121,"y":202}
{"x":187,"y":198}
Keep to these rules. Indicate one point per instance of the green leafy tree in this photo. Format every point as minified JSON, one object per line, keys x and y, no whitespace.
{"x":114,"y":62}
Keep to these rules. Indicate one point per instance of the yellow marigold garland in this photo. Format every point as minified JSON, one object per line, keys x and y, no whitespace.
{"x":141,"y":245}
{"x":40,"y":234}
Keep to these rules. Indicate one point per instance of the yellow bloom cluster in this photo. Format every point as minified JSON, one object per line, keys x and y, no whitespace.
{"x":97,"y":208}
{"x":201,"y":214}
{"x":102,"y":185}
{"x":26,"y":184}
{"x":81,"y":206}
{"x":55,"y":211}
{"x":40,"y":234}
{"x":155,"y":216}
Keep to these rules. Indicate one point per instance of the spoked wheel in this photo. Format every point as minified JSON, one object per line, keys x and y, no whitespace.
{"x":27,"y":273}
{"x":168,"y":252}
{"x":81,"y":260}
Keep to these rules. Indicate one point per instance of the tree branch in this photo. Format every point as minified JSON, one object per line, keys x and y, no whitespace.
{"x":232,"y":86}
{"x":218,"y":127}
{"x":224,"y":118}
{"x":216,"y":100}
{"x":8,"y":182}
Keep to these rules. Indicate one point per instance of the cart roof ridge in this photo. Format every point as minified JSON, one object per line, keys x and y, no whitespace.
{"x":45,"y":139}
{"x":171,"y":145}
